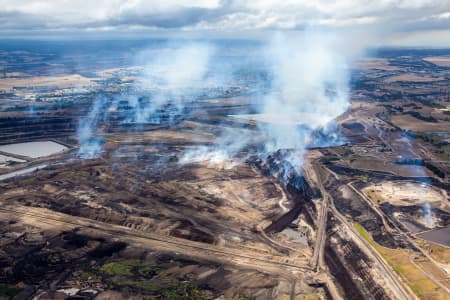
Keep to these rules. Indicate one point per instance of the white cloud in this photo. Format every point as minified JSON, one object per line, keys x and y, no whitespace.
{"x":221,"y":15}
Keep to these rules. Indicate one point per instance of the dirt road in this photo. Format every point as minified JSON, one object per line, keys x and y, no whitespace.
{"x":247,"y":257}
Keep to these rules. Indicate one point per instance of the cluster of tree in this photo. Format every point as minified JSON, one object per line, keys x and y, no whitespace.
{"x":438,"y":172}
{"x":393,"y":109}
{"x":428,"y":103}
{"x":328,"y":159}
{"x":412,"y":105}
{"x":421,"y":117}
{"x":410,"y":161}
{"x":420,"y":162}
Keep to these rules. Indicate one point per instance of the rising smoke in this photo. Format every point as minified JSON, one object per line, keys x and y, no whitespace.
{"x":409,"y":153}
{"x":428,"y":215}
{"x":170,"y":77}
{"x":309,"y":88}
{"x":88,"y":137}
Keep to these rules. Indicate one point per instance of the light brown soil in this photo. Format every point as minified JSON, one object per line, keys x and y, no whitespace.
{"x":412,"y":78}
{"x":441,"y":61}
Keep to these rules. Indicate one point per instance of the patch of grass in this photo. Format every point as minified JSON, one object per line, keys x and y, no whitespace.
{"x":171,"y":291}
{"x":363,"y":178}
{"x":399,"y":260}
{"x":121,"y":268}
{"x":398,"y":269}
{"x":182,"y":291}
{"x":362,"y":232}
{"x":148,"y":271}
{"x":152,"y":280}
{"x":8,"y":290}
{"x":147,"y":286}
{"x":85,"y":276}
{"x":416,"y":288}
{"x":437,"y":252}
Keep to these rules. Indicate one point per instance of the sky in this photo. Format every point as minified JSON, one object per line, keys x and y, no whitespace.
{"x":393,"y":22}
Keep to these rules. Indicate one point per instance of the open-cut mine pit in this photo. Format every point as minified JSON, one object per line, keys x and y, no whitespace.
{"x":146,"y":172}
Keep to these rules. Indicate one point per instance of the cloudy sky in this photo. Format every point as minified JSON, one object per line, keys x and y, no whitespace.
{"x":402,"y":22}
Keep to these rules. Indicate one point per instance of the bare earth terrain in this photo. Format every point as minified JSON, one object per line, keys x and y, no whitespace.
{"x":162,"y":213}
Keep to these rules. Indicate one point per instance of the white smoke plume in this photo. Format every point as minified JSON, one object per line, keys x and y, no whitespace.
{"x":310,"y":89}
{"x":310,"y":83}
{"x":171,"y":76}
{"x":90,"y":143}
{"x":428,"y":215}
{"x":408,"y":152}
{"x":310,"y":75}
{"x":227,"y":150}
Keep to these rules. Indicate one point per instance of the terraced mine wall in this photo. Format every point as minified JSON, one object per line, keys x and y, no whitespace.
{"x":62,"y":123}
{"x":23,"y":129}
{"x":351,"y":267}
{"x":300,"y":195}
{"x":298,"y":190}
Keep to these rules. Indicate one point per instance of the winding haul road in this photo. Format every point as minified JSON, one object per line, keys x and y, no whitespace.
{"x":396,"y":285}
{"x":398,"y":288}
{"x":21,"y":172}
{"x":407,"y":237}
{"x":239,"y":256}
{"x":256,"y":259}
{"x":399,"y":231}
{"x":317,"y":257}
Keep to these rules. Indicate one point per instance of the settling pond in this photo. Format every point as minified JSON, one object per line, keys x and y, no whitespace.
{"x":440,"y":236}
{"x":33,"y":149}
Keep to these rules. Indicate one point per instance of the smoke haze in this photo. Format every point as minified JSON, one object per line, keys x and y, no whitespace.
{"x":307,"y":88}
{"x":171,"y":76}
{"x":90,"y":142}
